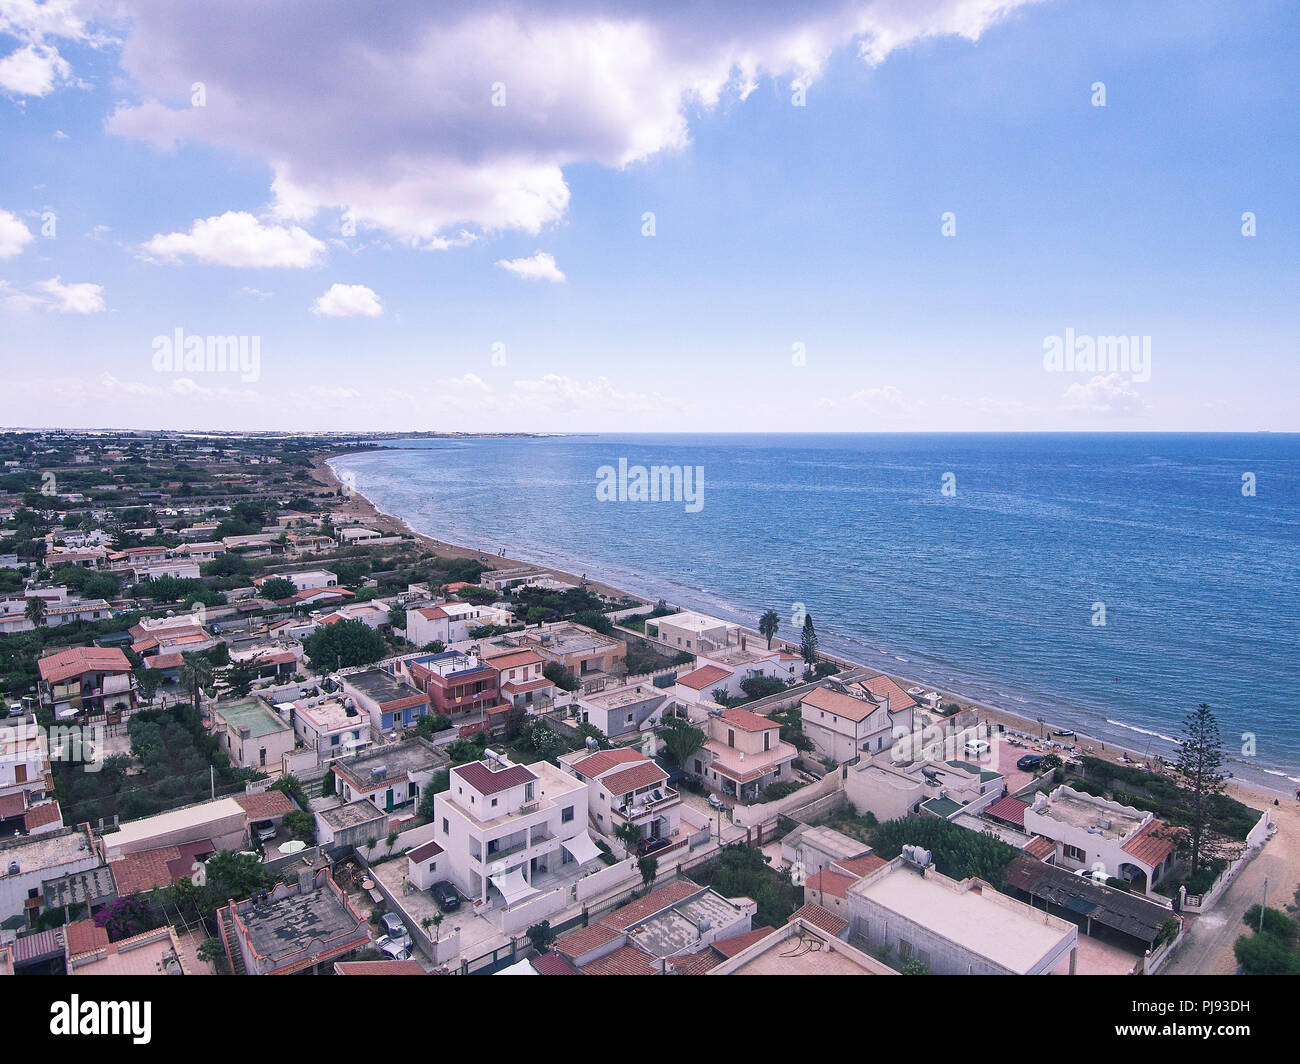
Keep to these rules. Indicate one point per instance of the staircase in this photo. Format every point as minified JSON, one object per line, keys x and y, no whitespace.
{"x":234,"y":954}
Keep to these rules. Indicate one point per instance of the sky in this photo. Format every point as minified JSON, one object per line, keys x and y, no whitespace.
{"x":584,"y":216}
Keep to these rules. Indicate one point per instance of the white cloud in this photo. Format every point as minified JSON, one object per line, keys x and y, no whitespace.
{"x":554,"y":391}
{"x":400,"y":126}
{"x":236,"y":238}
{"x":348,"y":301}
{"x":540,"y":267}
{"x":14,"y":235}
{"x":34,"y":70}
{"x":1109,"y":394}
{"x":53,"y":295}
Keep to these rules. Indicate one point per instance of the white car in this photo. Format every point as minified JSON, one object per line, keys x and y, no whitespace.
{"x":395,"y":949}
{"x":977,"y":747}
{"x":716,"y":802}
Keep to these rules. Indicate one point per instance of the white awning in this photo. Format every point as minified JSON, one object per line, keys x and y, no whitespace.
{"x":519,"y":968}
{"x":581,"y":848}
{"x":513,"y":886}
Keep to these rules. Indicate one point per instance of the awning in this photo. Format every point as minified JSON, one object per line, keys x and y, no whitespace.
{"x":581,"y":848}
{"x":519,"y":968}
{"x":513,"y":886}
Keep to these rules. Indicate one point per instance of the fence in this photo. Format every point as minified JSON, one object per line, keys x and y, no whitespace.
{"x":766,"y":813}
{"x":1255,"y":839}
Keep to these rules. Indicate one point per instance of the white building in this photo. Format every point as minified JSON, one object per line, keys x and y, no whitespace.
{"x":622,"y":710}
{"x":450,"y":622}
{"x":509,"y":831}
{"x":846,"y":721}
{"x":692,"y":632}
{"x":627,"y":787}
{"x":331,"y":727}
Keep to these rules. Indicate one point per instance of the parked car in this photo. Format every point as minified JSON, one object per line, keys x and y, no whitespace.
{"x":395,"y":929}
{"x":1029,"y":762}
{"x":445,"y":895}
{"x":263,"y":830}
{"x":976,"y":747}
{"x":716,"y":802}
{"x":394,"y":948}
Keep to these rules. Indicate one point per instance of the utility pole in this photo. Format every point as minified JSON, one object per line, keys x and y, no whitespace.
{"x":1262,"y":905}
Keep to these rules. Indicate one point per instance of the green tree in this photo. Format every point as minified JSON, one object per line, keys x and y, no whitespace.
{"x":35,"y":611}
{"x":212,"y":952}
{"x":769,"y":624}
{"x":1199,"y":773}
{"x":278,"y":587}
{"x":344,"y":644}
{"x":681,"y":739}
{"x":649,"y":868}
{"x":808,"y":642}
{"x":238,"y":677}
{"x":541,"y":936}
{"x":197,"y":676}
{"x":629,"y":835}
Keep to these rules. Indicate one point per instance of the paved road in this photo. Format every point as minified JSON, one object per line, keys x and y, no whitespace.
{"x":1207,"y":949}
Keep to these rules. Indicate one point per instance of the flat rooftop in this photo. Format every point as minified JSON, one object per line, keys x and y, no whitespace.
{"x":1083,"y":813}
{"x":677,"y":929}
{"x":411,"y":755}
{"x":570,"y":639}
{"x":695,"y":622}
{"x":798,"y":950}
{"x":351,"y":815}
{"x":986,"y":923}
{"x":278,"y":928}
{"x":380,"y":685}
{"x":625,"y":696}
{"x":35,"y":852}
{"x":252,"y":715}
{"x":332,"y":715}
{"x":190,"y":816}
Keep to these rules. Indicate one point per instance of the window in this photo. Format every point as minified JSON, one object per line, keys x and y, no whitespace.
{"x":528,"y":792}
{"x":699,"y":767}
{"x":446,"y":828}
{"x":904,"y":949}
{"x":566,"y":815}
{"x":731,"y":737}
{"x":767,"y":740}
{"x":433,"y":866}
{"x":1075,"y":854}
{"x":494,"y":803}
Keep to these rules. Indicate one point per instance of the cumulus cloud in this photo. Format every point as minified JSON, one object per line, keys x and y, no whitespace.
{"x":35,"y":67}
{"x":430,"y":121}
{"x":348,"y":301}
{"x":236,"y":238}
{"x":1112,"y":393}
{"x":14,"y":235}
{"x":53,"y":295}
{"x":539,"y":267}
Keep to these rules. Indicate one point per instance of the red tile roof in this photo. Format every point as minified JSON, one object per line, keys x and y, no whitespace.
{"x":1152,"y":844}
{"x":883,"y":687}
{"x":553,"y":964}
{"x":583,"y":940}
{"x":693,"y":963}
{"x":423,"y":853}
{"x":142,"y":871}
{"x":656,"y":901}
{"x":265,"y":805}
{"x":1040,"y":847}
{"x":860,"y":866}
{"x":514,"y":659}
{"x":82,"y":936}
{"x":702,"y":678}
{"x":827,"y":881}
{"x":729,"y":947}
{"x":1012,"y":810}
{"x":748,"y":720}
{"x":485,"y":781}
{"x":626,"y":960}
{"x":78,"y":660}
{"x":40,"y":815}
{"x":13,"y":804}
{"x":842,"y":705}
{"x":819,"y":917}
{"x":634,"y":778}
{"x":594,"y":765}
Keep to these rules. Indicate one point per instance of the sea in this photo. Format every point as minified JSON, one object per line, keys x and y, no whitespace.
{"x":1109,"y":583}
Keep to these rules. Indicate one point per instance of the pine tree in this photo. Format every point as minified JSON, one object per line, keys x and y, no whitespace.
{"x":1199,"y":773}
{"x":808,"y":642}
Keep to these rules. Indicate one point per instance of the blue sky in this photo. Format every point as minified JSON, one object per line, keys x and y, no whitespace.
{"x":775,"y":225}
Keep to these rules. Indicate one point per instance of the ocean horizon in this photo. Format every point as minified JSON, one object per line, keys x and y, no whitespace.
{"x":1109,"y":583}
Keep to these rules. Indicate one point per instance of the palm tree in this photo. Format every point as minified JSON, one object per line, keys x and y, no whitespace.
{"x":196,"y":675}
{"x":35,"y":611}
{"x":768,"y":625}
{"x":629,"y":835}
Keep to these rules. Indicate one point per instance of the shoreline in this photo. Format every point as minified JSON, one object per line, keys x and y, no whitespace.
{"x":354,"y":500}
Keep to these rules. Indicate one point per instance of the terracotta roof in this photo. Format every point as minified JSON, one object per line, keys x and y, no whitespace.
{"x":553,"y":964}
{"x":485,"y":781}
{"x":747,"y":720}
{"x":594,"y":765}
{"x":646,"y":774}
{"x":423,"y":853}
{"x":883,"y":686}
{"x":526,"y":685}
{"x":693,"y":963}
{"x":729,"y":947}
{"x":77,"y":660}
{"x":82,"y":936}
{"x":819,"y":917}
{"x":514,"y":659}
{"x":626,"y":960}
{"x":656,"y":901}
{"x":708,"y":676}
{"x":378,"y":968}
{"x":860,"y":866}
{"x":142,"y":871}
{"x":165,"y":661}
{"x":40,"y":815}
{"x":842,"y":705}
{"x":1152,"y":844}
{"x":1012,"y":810}
{"x":13,"y":804}
{"x":433,"y":613}
{"x":267,"y":804}
{"x":1040,"y":847}
{"x":828,"y":881}
{"x":583,"y":940}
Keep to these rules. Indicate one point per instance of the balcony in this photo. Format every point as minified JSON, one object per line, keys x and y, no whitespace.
{"x":644,"y":804}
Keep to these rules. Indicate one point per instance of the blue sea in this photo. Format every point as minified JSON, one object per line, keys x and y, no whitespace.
{"x":991,"y":590}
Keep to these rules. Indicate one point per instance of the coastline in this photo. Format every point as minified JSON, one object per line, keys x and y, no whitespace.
{"x":1256,"y":794}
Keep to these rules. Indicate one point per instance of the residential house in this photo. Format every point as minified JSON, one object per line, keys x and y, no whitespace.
{"x":743,"y":755}
{"x":520,"y":679}
{"x":459,"y":686}
{"x":86,"y":682}
{"x":628,"y":787}
{"x":391,"y":776}
{"x":333,"y":727}
{"x":592,"y":658}
{"x":846,"y":721}
{"x":251,"y":735}
{"x":390,"y":702}
{"x":692,"y":632}
{"x":622,"y":710}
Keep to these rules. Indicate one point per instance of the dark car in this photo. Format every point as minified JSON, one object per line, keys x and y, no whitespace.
{"x":445,"y":895}
{"x":1030,"y":762}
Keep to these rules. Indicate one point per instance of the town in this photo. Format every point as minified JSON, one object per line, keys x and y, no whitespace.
{"x":254,"y":727}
